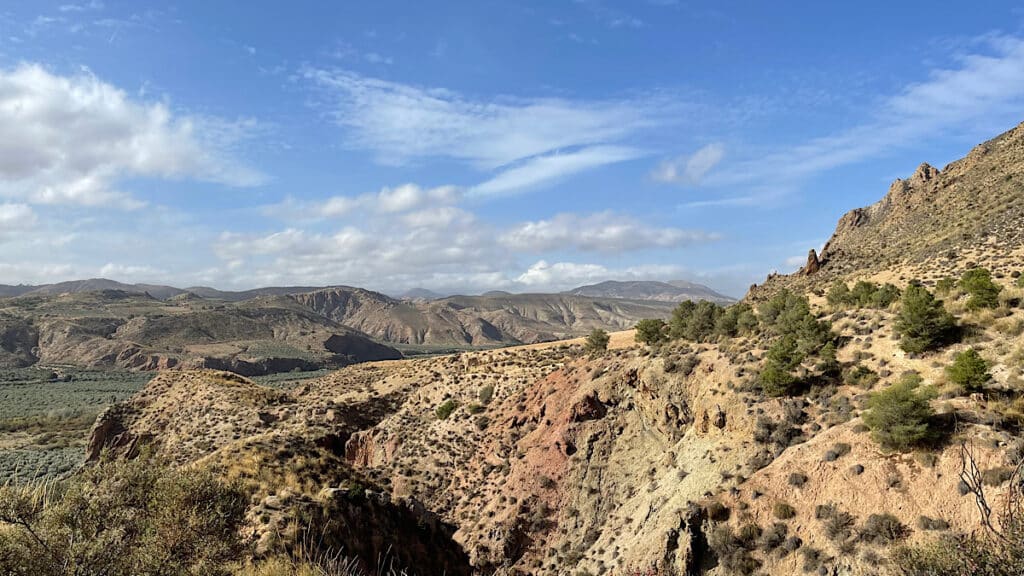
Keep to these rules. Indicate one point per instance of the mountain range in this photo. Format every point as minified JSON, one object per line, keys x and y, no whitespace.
{"x":667,"y":459}
{"x":102,"y":323}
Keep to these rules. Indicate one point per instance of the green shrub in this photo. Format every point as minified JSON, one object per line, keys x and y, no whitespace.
{"x":980,"y":553}
{"x":445,"y":409}
{"x":123,"y":518}
{"x":787,"y":314}
{"x":862,"y":376}
{"x":945,"y":286}
{"x":695,"y":321}
{"x":923,"y":323}
{"x":839,"y":294}
{"x":969,"y":370}
{"x":736,"y":320}
{"x":883,"y":529}
{"x":864,"y":295}
{"x":486,"y":394}
{"x":900,"y":416}
{"x":597,"y":341}
{"x":650,"y":331}
{"x":776,"y":375}
{"x":828,"y":365}
{"x":983,"y":292}
{"x":783,"y":511}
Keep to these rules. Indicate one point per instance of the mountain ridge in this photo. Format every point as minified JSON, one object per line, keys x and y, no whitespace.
{"x":673,"y":291}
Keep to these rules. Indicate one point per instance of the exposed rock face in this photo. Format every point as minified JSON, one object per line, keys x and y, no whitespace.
{"x":813,"y":265}
{"x":19,"y":342}
{"x":478,"y":320}
{"x":922,"y":223}
{"x":127,"y":330}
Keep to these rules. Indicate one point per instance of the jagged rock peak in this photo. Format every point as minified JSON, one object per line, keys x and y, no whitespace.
{"x":813,"y":264}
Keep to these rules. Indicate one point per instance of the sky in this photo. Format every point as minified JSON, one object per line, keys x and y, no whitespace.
{"x":466,"y":146}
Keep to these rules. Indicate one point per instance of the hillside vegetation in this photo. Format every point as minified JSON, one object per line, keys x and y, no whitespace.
{"x":861,"y":416}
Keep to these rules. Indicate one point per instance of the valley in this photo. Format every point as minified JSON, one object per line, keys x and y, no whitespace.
{"x":744,"y":439}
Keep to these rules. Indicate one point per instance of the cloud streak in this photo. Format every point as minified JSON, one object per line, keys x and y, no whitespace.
{"x":985,"y":85}
{"x":526,"y":142}
{"x":690,"y":170}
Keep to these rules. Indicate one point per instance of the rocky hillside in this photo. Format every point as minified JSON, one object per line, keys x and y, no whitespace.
{"x":677,"y":291}
{"x":690,"y":456}
{"x":935,"y":223}
{"x":116,"y":329}
{"x":488,"y":320}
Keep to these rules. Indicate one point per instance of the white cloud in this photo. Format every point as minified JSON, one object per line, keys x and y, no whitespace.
{"x":83,"y":7}
{"x":544,"y":276}
{"x":112,"y":270}
{"x":16,"y":216}
{"x":547,"y":169}
{"x":387,"y":200}
{"x":15,"y":219}
{"x":375,"y":58}
{"x":602,"y":232}
{"x":69,"y":140}
{"x":400,"y":123}
{"x":690,"y":170}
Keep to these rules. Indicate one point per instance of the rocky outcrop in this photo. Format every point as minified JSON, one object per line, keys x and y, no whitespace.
{"x":927,"y":221}
{"x":19,"y":343}
{"x":125,"y":330}
{"x":813,"y":265}
{"x":498,"y":318}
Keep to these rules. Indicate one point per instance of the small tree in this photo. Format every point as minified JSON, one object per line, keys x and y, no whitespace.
{"x":900,"y":416}
{"x":828,"y":364}
{"x":597,"y":341}
{"x":983,"y":291}
{"x":945,"y":285}
{"x":923,"y":322}
{"x":445,"y":409}
{"x":650,"y":331}
{"x":839,"y":294}
{"x":783,"y":357}
{"x":969,"y":370}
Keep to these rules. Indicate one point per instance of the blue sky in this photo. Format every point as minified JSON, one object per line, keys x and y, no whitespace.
{"x":477,"y":145}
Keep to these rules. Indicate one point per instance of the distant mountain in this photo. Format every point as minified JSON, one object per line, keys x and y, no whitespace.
{"x":492,"y":319}
{"x":8,"y":291}
{"x":674,"y":291}
{"x":420,"y":294}
{"x":92,"y":285}
{"x":229,"y":296}
{"x":120,"y":329}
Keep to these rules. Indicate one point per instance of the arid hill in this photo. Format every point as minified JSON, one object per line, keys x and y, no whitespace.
{"x":679,"y":458}
{"x":677,"y":291}
{"x":116,"y":329}
{"x":934,"y":224}
{"x":488,"y":320}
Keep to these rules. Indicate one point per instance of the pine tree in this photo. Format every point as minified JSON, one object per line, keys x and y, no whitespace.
{"x":984,"y":292}
{"x":900,"y":416}
{"x":969,"y":370}
{"x":923,"y":322}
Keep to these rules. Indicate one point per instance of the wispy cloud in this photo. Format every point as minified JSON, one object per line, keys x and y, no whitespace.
{"x":388,"y":200}
{"x":81,"y":7}
{"x":690,"y":170}
{"x":401,"y":123}
{"x":606,"y":232}
{"x":542,"y":170}
{"x":985,"y":85}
